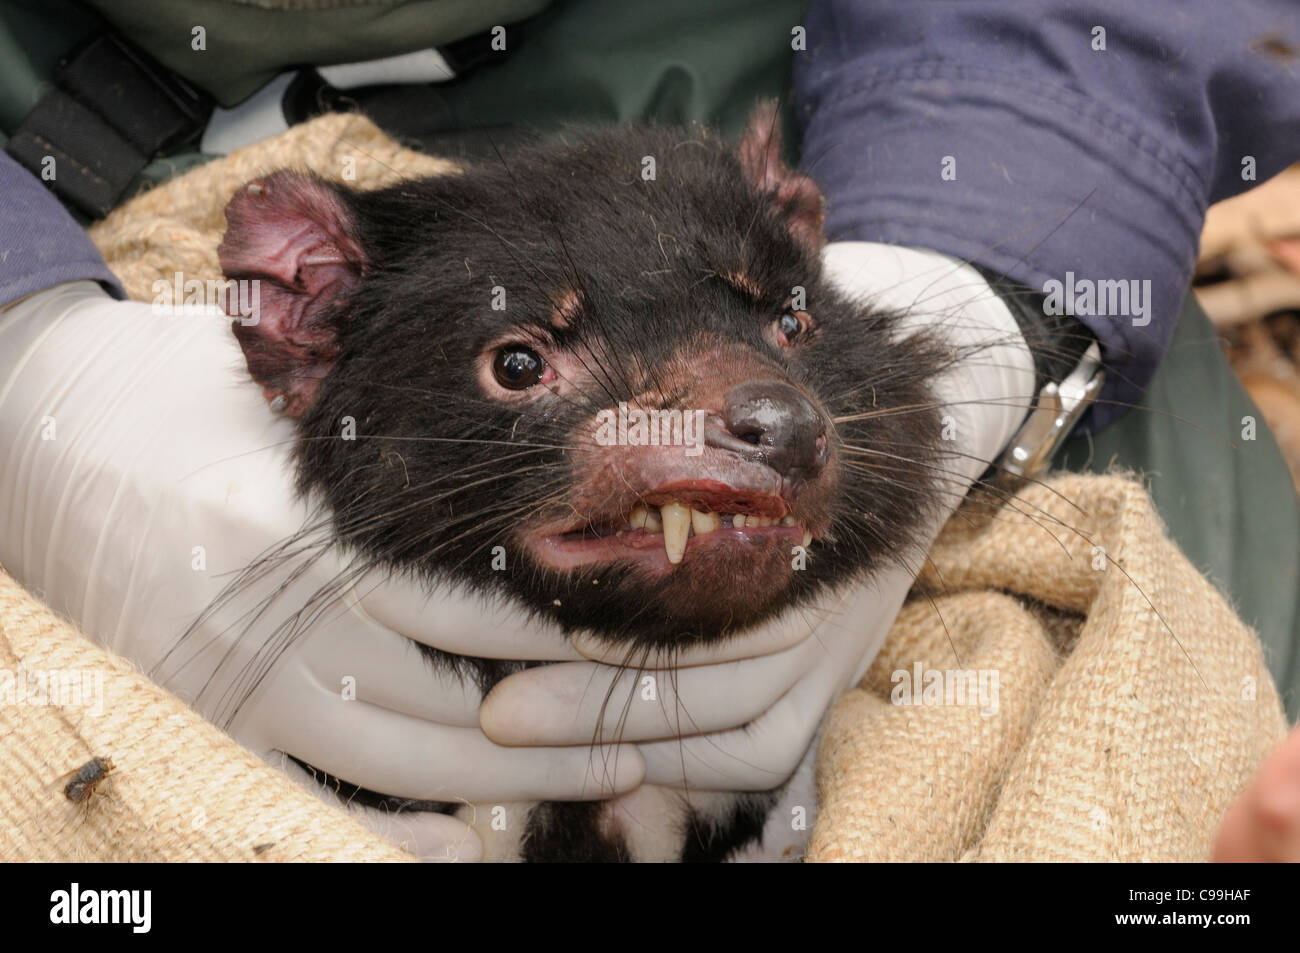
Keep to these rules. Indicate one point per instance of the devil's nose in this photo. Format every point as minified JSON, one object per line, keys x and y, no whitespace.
{"x":773,"y":422}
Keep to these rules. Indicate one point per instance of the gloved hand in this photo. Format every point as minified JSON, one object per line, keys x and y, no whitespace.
{"x":752,"y":705}
{"x":142,"y":469}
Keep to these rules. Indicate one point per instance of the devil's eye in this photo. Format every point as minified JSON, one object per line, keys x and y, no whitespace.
{"x":517,"y":367}
{"x":791,"y":325}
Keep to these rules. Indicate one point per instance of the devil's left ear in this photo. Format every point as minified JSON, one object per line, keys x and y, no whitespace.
{"x":795,"y":194}
{"x":292,"y":234}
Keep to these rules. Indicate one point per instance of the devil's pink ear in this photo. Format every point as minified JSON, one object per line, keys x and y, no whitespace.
{"x":291,"y":249}
{"x":795,"y":194}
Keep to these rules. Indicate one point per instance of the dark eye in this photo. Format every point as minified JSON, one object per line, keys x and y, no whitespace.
{"x":517,"y":367}
{"x":791,"y":325}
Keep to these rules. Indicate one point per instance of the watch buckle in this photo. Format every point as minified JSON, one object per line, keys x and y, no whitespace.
{"x":1056,"y":410}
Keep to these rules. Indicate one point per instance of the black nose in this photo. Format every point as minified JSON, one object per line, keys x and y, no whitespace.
{"x":775,"y":423}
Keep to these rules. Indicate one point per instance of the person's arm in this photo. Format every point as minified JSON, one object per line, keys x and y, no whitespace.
{"x":40,"y":245}
{"x":1044,"y":140}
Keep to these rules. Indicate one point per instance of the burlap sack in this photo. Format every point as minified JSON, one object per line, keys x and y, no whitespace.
{"x":180,"y":789}
{"x":1132,"y":704}
{"x":1106,"y":743}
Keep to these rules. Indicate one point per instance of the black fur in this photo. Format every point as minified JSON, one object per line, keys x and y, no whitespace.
{"x":568,"y":832}
{"x":442,"y":472}
{"x":712,"y":842}
{"x":581,"y":216}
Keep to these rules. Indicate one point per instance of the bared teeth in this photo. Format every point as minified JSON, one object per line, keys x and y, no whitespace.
{"x":646,"y":518}
{"x":704,"y":522}
{"x":677,"y":522}
{"x":677,"y":527}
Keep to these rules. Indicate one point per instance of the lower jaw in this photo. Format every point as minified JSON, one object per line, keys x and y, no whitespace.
{"x":646,"y":550}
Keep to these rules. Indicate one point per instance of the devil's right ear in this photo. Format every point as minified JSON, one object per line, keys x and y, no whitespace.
{"x":293,"y":234}
{"x":794,"y":194}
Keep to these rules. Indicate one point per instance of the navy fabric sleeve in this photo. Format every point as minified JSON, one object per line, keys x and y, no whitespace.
{"x":999,"y":131}
{"x":40,"y":244}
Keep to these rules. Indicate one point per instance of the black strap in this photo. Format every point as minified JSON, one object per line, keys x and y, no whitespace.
{"x":1056,"y":341}
{"x":111,"y":111}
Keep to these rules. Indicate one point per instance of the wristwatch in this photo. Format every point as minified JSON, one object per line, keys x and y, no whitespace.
{"x":1068,"y":376}
{"x":1057,"y":408}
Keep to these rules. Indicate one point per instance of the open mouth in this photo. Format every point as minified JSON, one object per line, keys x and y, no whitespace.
{"x":664,"y":525}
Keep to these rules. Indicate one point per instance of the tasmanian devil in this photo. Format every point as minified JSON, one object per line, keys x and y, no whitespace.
{"x":638,"y":385}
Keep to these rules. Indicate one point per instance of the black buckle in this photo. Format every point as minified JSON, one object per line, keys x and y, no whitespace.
{"x":111,"y":111}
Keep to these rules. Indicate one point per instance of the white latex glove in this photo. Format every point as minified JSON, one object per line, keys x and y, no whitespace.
{"x":133,"y":437}
{"x":775,"y":684}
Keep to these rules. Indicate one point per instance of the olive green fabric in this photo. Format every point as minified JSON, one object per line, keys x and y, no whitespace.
{"x":248,"y":42}
{"x":1228,"y":502}
{"x":672,"y":60}
{"x":34,"y":34}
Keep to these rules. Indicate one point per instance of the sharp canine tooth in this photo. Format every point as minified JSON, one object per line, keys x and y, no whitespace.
{"x":807,"y":538}
{"x":738,"y":521}
{"x":677,"y":527}
{"x":638,"y":517}
{"x":704,"y":522}
{"x":787,"y":521}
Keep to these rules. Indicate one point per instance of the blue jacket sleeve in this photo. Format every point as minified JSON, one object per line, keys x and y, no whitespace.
{"x":40,"y":244}
{"x":1051,"y":143}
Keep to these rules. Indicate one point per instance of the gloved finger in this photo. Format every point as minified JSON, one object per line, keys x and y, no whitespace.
{"x":762,"y":753}
{"x":841,"y":628}
{"x":459,"y":622}
{"x":405,"y":757}
{"x":432,"y":837}
{"x":776,"y":636}
{"x":577,"y":702}
{"x":755,"y":757}
{"x":388,"y":671}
